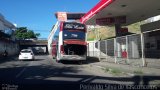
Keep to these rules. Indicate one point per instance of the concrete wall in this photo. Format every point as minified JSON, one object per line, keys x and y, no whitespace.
{"x":12,"y":48}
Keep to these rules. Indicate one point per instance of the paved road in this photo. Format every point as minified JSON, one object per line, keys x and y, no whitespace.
{"x":45,"y":74}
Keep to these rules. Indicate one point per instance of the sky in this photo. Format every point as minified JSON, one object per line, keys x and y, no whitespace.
{"x":38,"y":15}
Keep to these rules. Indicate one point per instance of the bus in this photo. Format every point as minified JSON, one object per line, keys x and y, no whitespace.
{"x":69,"y":42}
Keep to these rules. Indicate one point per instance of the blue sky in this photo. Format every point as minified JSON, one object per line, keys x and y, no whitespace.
{"x":38,"y":15}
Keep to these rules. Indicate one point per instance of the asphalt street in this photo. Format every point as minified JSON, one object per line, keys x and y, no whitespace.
{"x":44,"y":73}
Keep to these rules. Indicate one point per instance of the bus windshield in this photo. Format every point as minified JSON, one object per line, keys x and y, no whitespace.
{"x":69,"y":34}
{"x":73,"y":31}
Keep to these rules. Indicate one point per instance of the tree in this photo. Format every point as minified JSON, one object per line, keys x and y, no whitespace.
{"x":24,"y":33}
{"x":37,"y":34}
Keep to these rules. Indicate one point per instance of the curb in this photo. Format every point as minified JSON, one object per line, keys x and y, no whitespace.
{"x":122,"y":71}
{"x":130,"y":70}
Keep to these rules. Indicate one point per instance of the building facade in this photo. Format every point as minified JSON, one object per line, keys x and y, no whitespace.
{"x":7,"y":38}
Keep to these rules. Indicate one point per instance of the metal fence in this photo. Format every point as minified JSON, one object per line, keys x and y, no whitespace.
{"x":136,"y":49}
{"x":93,"y":50}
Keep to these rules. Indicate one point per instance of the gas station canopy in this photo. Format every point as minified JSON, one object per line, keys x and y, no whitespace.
{"x":129,"y":11}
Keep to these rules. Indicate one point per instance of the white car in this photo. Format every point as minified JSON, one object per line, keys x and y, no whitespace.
{"x":26,"y":54}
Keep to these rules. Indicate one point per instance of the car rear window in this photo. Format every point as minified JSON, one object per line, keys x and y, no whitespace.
{"x":25,"y":51}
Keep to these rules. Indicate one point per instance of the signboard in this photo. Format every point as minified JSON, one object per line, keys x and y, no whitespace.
{"x":73,"y":26}
{"x":62,"y":16}
{"x":122,"y":31}
{"x":101,"y":5}
{"x":111,"y":20}
{"x":105,"y":21}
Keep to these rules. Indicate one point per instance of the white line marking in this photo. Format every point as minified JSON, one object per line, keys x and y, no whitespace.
{"x":88,"y":79}
{"x":20,"y":73}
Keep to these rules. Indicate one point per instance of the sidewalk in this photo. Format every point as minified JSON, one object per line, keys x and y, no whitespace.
{"x":131,"y":70}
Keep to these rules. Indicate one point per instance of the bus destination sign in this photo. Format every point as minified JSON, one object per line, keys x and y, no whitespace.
{"x":73,"y":26}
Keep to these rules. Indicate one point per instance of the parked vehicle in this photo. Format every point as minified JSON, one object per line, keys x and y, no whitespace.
{"x":26,"y":54}
{"x":69,"y":42}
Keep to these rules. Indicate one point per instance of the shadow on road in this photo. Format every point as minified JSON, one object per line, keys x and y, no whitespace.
{"x":92,"y":59}
{"x":70,"y":62}
{"x":6,"y":59}
{"x":32,"y":60}
{"x":41,"y":54}
{"x":45,"y":77}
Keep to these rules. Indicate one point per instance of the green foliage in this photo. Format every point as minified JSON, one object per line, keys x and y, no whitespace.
{"x":37,"y":34}
{"x":106,"y":32}
{"x":135,"y":27}
{"x":24,"y":33}
{"x":90,"y":39}
{"x":113,"y":71}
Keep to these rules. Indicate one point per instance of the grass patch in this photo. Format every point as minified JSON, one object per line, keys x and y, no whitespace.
{"x":105,"y":69}
{"x":115,"y":71}
{"x":112,"y":71}
{"x":139,"y":72}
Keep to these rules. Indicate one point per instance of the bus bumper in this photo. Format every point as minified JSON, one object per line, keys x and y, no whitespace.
{"x":72,"y":57}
